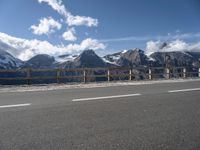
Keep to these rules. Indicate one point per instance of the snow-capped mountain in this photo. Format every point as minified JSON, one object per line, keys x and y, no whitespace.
{"x":40,"y":61}
{"x":87,"y":59}
{"x":176,"y":58}
{"x":133,"y":57}
{"x":7,"y":61}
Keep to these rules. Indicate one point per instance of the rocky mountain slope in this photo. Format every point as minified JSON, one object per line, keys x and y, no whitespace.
{"x":7,"y":61}
{"x":87,"y":59}
{"x":40,"y":61}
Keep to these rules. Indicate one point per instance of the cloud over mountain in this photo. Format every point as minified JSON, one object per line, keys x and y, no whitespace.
{"x":25,"y":49}
{"x":69,"y":35}
{"x":174,"y":45}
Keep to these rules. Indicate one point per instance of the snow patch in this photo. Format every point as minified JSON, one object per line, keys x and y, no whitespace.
{"x":187,"y":54}
{"x":115,"y":58}
{"x":124,"y":51}
{"x":109,"y":62}
{"x":150,"y":58}
{"x":65,"y":59}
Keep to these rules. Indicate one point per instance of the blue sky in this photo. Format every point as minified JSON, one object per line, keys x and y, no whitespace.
{"x":122,"y":24}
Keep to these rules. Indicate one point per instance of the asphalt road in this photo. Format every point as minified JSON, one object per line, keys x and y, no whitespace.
{"x":144,"y":117}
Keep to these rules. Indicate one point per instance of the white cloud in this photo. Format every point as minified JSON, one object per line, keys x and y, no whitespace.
{"x":56,"y":5}
{"x":81,"y":20}
{"x":152,"y":47}
{"x":46,"y":26}
{"x":177,"y":45}
{"x":25,"y":49}
{"x":71,"y":20}
{"x":69,"y":35}
{"x":86,"y":44}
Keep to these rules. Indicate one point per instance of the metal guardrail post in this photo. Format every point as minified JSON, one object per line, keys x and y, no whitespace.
{"x":130,"y":74}
{"x":28,"y":76}
{"x":184,"y":73}
{"x":84,"y":76}
{"x":167,"y":73}
{"x":58,"y":75}
{"x":108,"y":75}
{"x":150,"y":74}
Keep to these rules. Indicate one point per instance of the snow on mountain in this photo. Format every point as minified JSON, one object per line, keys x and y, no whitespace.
{"x":128,"y":57}
{"x":88,"y":59}
{"x":40,"y":61}
{"x":133,"y":57}
{"x":109,"y":62}
{"x":65,"y":58}
{"x":112,"y":58}
{"x":7,"y":61}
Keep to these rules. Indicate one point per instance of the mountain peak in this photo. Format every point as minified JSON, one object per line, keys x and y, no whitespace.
{"x":7,"y":61}
{"x":89,"y":58}
{"x":135,"y":51}
{"x":133,"y":57}
{"x":163,"y":45}
{"x":138,"y":50}
{"x":40,"y":61}
{"x":89,"y":52}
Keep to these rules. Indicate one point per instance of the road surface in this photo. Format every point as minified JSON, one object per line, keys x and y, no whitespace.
{"x":162,"y":116}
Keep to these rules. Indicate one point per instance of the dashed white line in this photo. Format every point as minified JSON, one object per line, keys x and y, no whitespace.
{"x":16,"y":105}
{"x":184,"y":90}
{"x":105,"y":97}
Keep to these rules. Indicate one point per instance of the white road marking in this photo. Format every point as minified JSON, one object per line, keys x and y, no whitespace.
{"x":16,"y":105}
{"x":105,"y":97}
{"x":184,"y":90}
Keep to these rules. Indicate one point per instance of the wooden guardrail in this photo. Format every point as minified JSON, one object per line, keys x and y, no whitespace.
{"x":33,"y":76}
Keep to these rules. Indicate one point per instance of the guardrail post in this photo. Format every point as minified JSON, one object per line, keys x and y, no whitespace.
{"x":84,"y":76}
{"x":58,"y":76}
{"x":28,"y":76}
{"x":184,"y":73}
{"x":199,"y":72}
{"x":130,"y":74}
{"x":167,"y":73}
{"x":150,"y":74}
{"x":108,"y":75}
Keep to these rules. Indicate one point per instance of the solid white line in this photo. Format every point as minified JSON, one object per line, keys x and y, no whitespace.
{"x":184,"y":90}
{"x":16,"y":105}
{"x":105,"y":97}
